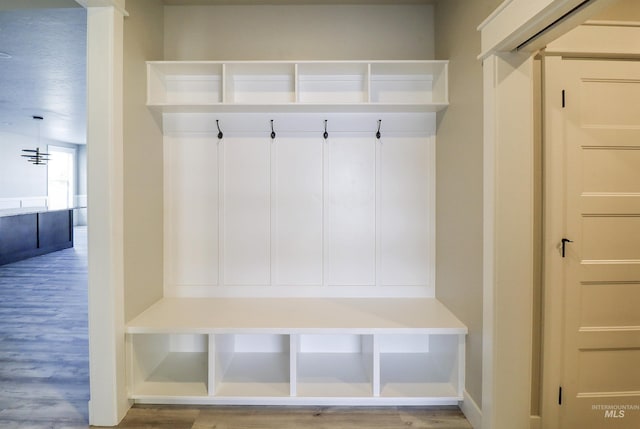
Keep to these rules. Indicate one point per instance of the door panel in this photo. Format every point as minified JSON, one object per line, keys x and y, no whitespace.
{"x":611,"y":169}
{"x":623,"y":313}
{"x":609,"y":101}
{"x":606,"y":238}
{"x":609,"y":370}
{"x":601,"y":371}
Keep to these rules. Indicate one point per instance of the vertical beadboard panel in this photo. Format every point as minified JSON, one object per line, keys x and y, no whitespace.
{"x":351,"y":210}
{"x":299,"y":214}
{"x":406,"y":212}
{"x":299,"y":199}
{"x":247,"y":206}
{"x":192,"y":181}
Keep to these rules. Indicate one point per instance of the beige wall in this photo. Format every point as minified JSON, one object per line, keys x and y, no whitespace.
{"x":302,"y":32}
{"x":622,"y":10}
{"x":459,"y":157}
{"x":143,"y":202}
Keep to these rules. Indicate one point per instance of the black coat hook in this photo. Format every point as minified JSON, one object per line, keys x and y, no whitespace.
{"x":220,"y":135}
{"x":378,"y":135}
{"x":273,"y":133}
{"x":325,"y":134}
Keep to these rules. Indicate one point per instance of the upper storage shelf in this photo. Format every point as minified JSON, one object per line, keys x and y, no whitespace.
{"x":239,"y":86}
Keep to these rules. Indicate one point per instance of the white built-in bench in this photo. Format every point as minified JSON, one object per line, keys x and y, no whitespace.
{"x":285,"y":351}
{"x":307,"y":178}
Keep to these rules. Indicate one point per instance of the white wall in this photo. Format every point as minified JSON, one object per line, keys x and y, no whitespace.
{"x":299,"y":32}
{"x":18,"y":177}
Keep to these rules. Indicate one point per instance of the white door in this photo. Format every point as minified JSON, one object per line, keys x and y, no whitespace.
{"x":600,"y":374}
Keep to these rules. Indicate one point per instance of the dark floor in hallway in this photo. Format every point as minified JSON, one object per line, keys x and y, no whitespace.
{"x":44,"y":357}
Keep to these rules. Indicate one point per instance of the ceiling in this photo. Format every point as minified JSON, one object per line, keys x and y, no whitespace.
{"x":43,"y":72}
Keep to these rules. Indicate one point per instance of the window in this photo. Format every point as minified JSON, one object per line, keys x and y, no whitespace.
{"x":61,"y":175}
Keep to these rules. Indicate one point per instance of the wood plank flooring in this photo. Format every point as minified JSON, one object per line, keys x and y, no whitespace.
{"x":166,"y":417}
{"x":44,"y":355}
{"x":44,"y":366}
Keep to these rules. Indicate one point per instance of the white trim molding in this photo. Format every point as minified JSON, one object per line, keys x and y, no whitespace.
{"x":508,"y":237}
{"x":119,"y":5}
{"x":598,"y":41}
{"x":536,"y":422}
{"x":508,"y":197}
{"x":471,"y":411}
{"x":108,"y":403}
{"x":517,"y":21}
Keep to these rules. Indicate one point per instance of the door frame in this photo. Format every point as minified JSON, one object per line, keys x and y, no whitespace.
{"x":575,"y":44}
{"x":508,"y":289}
{"x":553,"y":220}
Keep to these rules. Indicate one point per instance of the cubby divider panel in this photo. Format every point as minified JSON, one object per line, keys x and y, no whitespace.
{"x":168,"y":365}
{"x":335,"y":365}
{"x":251,"y":365}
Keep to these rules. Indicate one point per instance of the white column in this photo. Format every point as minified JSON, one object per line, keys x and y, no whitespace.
{"x":508,"y":240}
{"x":108,"y":403}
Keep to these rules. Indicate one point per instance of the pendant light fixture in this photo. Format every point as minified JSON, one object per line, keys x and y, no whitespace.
{"x":34,"y":156}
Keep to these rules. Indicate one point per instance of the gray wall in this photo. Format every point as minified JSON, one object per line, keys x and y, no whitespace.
{"x":622,"y":10}
{"x":459,"y":175}
{"x":299,"y":32}
{"x":143,"y":202}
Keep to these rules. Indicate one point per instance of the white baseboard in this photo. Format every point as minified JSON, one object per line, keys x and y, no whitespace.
{"x":536,"y":422}
{"x":471,"y":411}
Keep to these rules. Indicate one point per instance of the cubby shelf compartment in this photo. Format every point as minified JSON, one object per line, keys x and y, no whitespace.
{"x":288,"y":351}
{"x":334,"y":365}
{"x":162,"y":365}
{"x":304,"y":86}
{"x":184,"y":83}
{"x":409,"y":83}
{"x":251,"y":365}
{"x":421,"y":366}
{"x":259,"y":83}
{"x":333,"y":83}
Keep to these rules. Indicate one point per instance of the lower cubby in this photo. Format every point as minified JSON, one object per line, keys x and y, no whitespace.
{"x":168,"y":365}
{"x":251,"y":365}
{"x":334,"y":365}
{"x":420,"y":366}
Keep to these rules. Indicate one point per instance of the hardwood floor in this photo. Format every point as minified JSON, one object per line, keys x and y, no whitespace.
{"x":44,"y":366}
{"x":44,"y":356}
{"x":166,"y":417}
